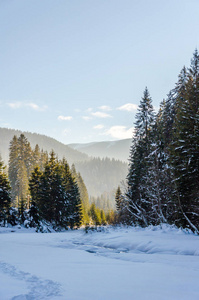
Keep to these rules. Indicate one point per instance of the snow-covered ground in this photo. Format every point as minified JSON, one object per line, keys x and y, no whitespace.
{"x":122,"y":263}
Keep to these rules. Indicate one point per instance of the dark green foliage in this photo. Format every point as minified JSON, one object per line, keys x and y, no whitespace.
{"x":13,"y":167}
{"x":21,"y":211}
{"x":163,"y":178}
{"x":5,"y":199}
{"x":55,"y":195}
{"x":138,"y":201}
{"x":119,"y":199}
{"x":83,"y":194}
{"x":184,"y":148}
{"x":34,"y":186}
{"x":122,"y":207}
{"x":22,"y":160}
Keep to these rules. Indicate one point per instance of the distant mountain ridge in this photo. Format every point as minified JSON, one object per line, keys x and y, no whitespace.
{"x":111,"y":149}
{"x":101,"y":173}
{"x":46,"y":143}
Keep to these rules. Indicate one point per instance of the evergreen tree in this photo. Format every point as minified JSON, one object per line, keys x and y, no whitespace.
{"x":184,"y":148}
{"x":55,"y":195}
{"x":35,"y":186}
{"x":95,"y":214}
{"x":138,"y":202}
{"x":122,"y":207}
{"x":83,"y":194}
{"x":5,"y":199}
{"x":20,"y":167}
{"x":13,"y":167}
{"x":74,"y":200}
{"x":50,"y":191}
{"x":119,"y":199}
{"x":103,"y":217}
{"x":26,"y":154}
{"x":36,"y":156}
{"x":22,"y":185}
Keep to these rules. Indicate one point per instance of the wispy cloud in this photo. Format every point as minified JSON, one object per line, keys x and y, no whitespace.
{"x":128,"y":107}
{"x":105,"y":108}
{"x":15,"y":105}
{"x":65,"y":118}
{"x":120,"y":132}
{"x":100,"y":126}
{"x":100,"y":114}
{"x":86,"y":118}
{"x":32,"y":105}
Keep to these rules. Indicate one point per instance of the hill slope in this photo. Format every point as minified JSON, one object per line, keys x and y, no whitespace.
{"x":99,"y":175}
{"x":117,"y":149}
{"x":46,"y":143}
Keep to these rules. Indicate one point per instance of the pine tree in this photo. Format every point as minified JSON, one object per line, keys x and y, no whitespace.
{"x":5,"y":198}
{"x":36,"y":156}
{"x":119,"y":199}
{"x":13,"y":167}
{"x":22,"y":185}
{"x":95,"y":215}
{"x":184,"y":148}
{"x":121,"y":207}
{"x":48,"y":193}
{"x":103,"y":217}
{"x":83,"y":194}
{"x":20,"y":167}
{"x":55,"y":195}
{"x":35,"y":191}
{"x":74,"y":200}
{"x":26,"y":154}
{"x":138,"y":203}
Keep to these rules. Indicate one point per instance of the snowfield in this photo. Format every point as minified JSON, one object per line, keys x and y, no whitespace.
{"x":117,"y":263}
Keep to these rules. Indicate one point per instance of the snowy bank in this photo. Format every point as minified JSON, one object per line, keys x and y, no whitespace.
{"x":118,"y":263}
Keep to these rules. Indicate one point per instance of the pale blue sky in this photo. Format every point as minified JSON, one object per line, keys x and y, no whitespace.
{"x":76,"y":70}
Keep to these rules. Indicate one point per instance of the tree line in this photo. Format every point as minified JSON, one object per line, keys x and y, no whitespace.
{"x":40,"y":189}
{"x":163,"y":177}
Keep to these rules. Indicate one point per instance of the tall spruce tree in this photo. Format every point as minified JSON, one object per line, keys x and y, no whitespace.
{"x":140,"y":150}
{"x":83,"y":194}
{"x":95,"y":214}
{"x":122,"y":211}
{"x":5,"y":198}
{"x":185,"y":145}
{"x":20,"y":168}
{"x":13,"y":167}
{"x":35,"y":191}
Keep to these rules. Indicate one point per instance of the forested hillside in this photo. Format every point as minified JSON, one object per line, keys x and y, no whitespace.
{"x":118,"y":150}
{"x":100,"y":175}
{"x":46,"y":143}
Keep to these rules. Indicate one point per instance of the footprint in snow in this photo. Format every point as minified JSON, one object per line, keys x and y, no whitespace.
{"x":38,"y":289}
